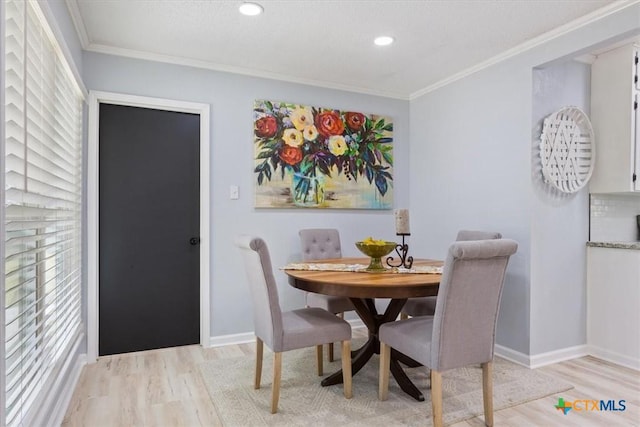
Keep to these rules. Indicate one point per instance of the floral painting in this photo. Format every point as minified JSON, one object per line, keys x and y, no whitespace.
{"x":314,"y":157}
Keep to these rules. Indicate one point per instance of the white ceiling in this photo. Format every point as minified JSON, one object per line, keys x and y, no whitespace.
{"x":330,"y":42}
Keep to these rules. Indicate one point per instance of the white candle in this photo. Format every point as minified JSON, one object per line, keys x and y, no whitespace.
{"x":402,"y":221}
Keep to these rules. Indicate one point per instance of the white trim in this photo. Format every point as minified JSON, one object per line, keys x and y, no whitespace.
{"x":231,"y":339}
{"x":557,"y":356}
{"x":530,"y":44}
{"x":512,"y":355}
{"x":355,"y":323}
{"x":613,"y":357}
{"x":207,"y":65}
{"x":95,"y":98}
{"x":523,"y":47}
{"x":78,"y":22}
{"x":587,"y":58}
{"x":92,"y":228}
{"x":205,"y":229}
{"x":542,"y":359}
{"x":249,"y":337}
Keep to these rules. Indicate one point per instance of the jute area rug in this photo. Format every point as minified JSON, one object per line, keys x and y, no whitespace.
{"x":304,"y":402}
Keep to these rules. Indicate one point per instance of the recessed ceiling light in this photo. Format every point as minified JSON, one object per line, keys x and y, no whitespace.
{"x":250,"y":9}
{"x":383,"y":40}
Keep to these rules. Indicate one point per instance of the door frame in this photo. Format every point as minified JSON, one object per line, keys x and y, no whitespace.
{"x":93,"y":161}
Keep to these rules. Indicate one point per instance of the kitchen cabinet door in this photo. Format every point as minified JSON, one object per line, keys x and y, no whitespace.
{"x":614,"y":116}
{"x":613,"y":305}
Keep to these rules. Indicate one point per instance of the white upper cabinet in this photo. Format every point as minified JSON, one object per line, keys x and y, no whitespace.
{"x":614,"y":115}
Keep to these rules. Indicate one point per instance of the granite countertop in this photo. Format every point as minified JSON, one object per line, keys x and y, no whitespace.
{"x":615,"y":245}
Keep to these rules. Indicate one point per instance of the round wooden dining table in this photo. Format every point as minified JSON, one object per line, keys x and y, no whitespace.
{"x":362,"y":288}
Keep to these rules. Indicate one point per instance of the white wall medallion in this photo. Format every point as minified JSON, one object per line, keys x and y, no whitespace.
{"x":567,"y":149}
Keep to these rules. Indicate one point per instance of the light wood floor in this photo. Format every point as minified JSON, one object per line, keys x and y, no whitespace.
{"x":164,"y":388}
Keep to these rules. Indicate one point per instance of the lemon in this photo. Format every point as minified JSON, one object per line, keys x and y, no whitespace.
{"x":371,"y":241}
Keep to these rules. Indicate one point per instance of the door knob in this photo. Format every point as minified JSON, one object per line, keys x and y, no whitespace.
{"x":194,"y":241}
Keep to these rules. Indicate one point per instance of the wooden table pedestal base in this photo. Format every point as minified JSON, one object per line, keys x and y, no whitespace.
{"x":366,"y":309}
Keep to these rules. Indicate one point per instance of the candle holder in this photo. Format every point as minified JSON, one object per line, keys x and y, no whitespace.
{"x":405,"y":261}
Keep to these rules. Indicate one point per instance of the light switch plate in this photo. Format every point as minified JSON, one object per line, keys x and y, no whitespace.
{"x":234,"y":192}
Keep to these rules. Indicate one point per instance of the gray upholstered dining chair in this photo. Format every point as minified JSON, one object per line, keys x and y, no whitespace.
{"x":426,"y":306}
{"x":462,"y":331}
{"x":290,"y":330}
{"x":323,"y":243}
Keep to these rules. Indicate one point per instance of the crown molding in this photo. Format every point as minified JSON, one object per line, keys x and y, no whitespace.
{"x":78,"y":22}
{"x":614,"y":7}
{"x":530,"y":44}
{"x":176,"y":60}
{"x":87,"y":45}
{"x":587,"y":58}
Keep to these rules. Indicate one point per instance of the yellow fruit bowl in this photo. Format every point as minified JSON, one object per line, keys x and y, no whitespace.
{"x":376,"y":251}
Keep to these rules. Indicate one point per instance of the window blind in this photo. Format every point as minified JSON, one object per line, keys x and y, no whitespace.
{"x":42,"y":212}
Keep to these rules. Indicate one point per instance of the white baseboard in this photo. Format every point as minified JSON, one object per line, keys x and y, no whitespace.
{"x":512,"y":355}
{"x":249,"y":337}
{"x":231,"y":339}
{"x":561,"y":355}
{"x":542,"y":359}
{"x":556,"y":356}
{"x":529,"y":361}
{"x":613,"y":357}
{"x":356,"y":323}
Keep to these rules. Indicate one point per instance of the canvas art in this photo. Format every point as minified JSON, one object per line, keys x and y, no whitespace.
{"x":315,"y":157}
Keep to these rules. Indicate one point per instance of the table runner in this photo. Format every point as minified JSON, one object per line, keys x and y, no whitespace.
{"x":360,"y":268}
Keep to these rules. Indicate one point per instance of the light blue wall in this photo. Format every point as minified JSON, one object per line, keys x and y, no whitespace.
{"x":231,"y":99}
{"x":471,"y":167}
{"x":470,"y":164}
{"x":469,"y":161}
{"x":559,"y":222}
